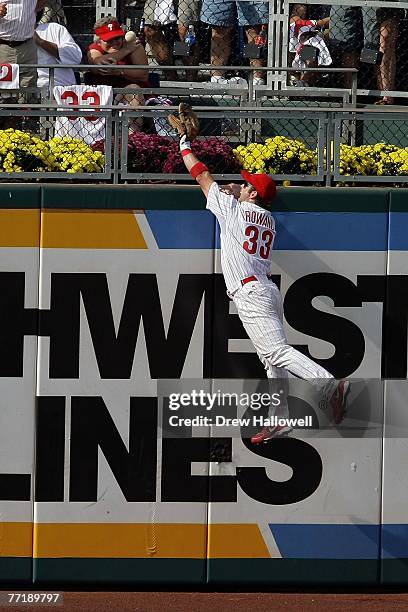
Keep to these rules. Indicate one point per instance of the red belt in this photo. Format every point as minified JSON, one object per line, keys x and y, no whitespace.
{"x":249,"y":279}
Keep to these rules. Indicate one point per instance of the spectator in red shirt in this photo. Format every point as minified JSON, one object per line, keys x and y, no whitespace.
{"x":110,"y":47}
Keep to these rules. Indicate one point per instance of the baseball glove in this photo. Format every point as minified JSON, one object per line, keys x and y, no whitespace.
{"x":186,"y":123}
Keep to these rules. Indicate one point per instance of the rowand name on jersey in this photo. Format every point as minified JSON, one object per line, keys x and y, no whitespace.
{"x":260,"y":218}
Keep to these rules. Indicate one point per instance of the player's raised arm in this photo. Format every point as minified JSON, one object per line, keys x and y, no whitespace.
{"x":188,"y":127}
{"x":197,"y":169}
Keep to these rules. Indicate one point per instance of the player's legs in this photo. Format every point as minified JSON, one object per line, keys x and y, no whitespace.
{"x":278,"y":388}
{"x":278,"y":384}
{"x":260,"y":310}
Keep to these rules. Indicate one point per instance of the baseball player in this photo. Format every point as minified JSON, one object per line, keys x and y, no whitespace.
{"x":247,"y":237}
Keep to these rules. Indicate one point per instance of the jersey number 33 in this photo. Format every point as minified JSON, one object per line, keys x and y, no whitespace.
{"x":259,"y":242}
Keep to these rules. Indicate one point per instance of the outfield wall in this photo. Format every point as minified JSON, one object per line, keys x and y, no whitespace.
{"x":104,"y":291}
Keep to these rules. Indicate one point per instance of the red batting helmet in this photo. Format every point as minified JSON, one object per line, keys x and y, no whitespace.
{"x":264,"y":185}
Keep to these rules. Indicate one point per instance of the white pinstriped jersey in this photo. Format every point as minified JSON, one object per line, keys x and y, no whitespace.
{"x":247,"y":235}
{"x":19,"y":23}
{"x":90,"y":130}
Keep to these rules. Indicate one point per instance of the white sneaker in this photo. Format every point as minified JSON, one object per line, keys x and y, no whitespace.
{"x":259,"y":81}
{"x":231,"y":81}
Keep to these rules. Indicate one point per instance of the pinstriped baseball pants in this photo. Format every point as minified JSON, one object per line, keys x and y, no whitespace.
{"x":260,"y":308}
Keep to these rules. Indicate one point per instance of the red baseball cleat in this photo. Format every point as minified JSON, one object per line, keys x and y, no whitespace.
{"x":338,"y":401}
{"x":268,"y":433}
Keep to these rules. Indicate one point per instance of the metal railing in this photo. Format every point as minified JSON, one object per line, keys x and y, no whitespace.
{"x":320,"y":135}
{"x":292,"y":134}
{"x":206,"y":87}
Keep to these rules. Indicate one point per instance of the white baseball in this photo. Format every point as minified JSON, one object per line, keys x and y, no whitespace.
{"x":130,"y":36}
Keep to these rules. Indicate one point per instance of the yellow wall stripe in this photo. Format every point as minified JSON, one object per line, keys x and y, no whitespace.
{"x":239,"y":541}
{"x":132,"y":540}
{"x":19,"y":227}
{"x":90,"y":229}
{"x":16,"y":539}
{"x":120,"y":540}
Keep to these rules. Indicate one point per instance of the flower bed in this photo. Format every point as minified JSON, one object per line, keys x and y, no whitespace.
{"x":73,"y":155}
{"x":24,"y":152}
{"x":279,"y":155}
{"x":160,"y":154}
{"x":374,"y":160}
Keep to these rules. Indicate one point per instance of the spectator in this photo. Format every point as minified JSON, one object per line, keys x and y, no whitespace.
{"x":299,"y":23}
{"x":305,"y":33}
{"x":314,"y":40}
{"x":160,"y":16}
{"x":223,"y":16}
{"x":110,"y":48}
{"x":53,"y":13}
{"x":17,"y":27}
{"x":55,"y":45}
{"x":378,"y":28}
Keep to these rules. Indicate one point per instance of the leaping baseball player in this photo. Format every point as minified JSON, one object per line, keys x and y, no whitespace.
{"x":247,"y":236}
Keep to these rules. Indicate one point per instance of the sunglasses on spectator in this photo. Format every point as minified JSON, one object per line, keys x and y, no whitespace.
{"x":113,"y":40}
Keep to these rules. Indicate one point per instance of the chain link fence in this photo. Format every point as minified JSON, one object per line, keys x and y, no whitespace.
{"x":379,"y":149}
{"x":41,"y":146}
{"x":367,"y":34}
{"x":281,"y":93}
{"x":254,"y":146}
{"x":185,"y":34}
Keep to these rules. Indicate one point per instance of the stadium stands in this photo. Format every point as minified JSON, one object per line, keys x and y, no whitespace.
{"x":292,"y":118}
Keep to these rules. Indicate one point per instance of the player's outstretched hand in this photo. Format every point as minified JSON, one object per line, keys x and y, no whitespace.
{"x":177,"y":125}
{"x":186,"y":123}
